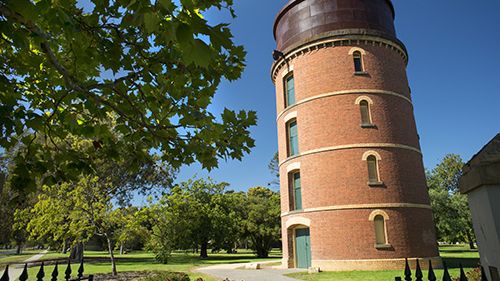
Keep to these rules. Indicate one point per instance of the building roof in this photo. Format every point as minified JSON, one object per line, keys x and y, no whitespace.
{"x":483,"y":168}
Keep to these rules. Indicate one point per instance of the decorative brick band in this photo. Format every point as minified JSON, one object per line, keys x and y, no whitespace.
{"x":347,"y":40}
{"x":341,"y":93}
{"x":352,"y":146}
{"x":358,"y":207}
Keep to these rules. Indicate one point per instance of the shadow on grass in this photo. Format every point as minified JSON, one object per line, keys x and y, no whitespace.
{"x":465,"y":262}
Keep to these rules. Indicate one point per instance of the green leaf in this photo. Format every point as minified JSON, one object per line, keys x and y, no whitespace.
{"x":151,"y":22}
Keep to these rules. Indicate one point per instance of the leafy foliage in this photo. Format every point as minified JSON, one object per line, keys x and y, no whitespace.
{"x":451,"y":210}
{"x":154,"y":66}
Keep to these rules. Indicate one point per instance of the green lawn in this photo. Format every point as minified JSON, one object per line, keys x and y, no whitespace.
{"x":452,"y":255}
{"x":143,"y":261}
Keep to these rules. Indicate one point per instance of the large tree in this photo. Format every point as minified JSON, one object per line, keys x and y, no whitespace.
{"x":153,"y":65}
{"x":195,"y":214}
{"x":262,"y":220}
{"x":451,"y":211}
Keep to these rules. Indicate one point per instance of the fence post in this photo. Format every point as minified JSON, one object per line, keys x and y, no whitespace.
{"x":91,"y":277}
{"x":24,"y":274}
{"x":431,"y":276}
{"x":407,"y":271}
{"x":483,"y":274}
{"x":55,"y":272}
{"x":40,"y":274}
{"x":5,"y":276}
{"x":463,"y":277}
{"x":446,"y":276}
{"x":397,"y":279}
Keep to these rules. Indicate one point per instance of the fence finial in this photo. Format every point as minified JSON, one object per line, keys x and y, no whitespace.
{"x":55,"y":272}
{"x":431,"y":276}
{"x":67,"y":272}
{"x":5,"y":275}
{"x":407,"y":271}
{"x":24,"y":274}
{"x":418,"y":272}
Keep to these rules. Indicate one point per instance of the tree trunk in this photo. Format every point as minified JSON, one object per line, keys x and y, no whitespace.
{"x":471,"y":241}
{"x":111,"y":256}
{"x":121,"y":248}
{"x":203,"y":250}
{"x":64,"y":247}
{"x":77,"y":252}
{"x":18,"y":249}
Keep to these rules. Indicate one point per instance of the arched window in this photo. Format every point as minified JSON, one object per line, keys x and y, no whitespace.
{"x":289,"y":83}
{"x":372,"y":169}
{"x":295,"y":191}
{"x":358,"y":62}
{"x":293,"y":138}
{"x":365,"y":113}
{"x":380,"y":232}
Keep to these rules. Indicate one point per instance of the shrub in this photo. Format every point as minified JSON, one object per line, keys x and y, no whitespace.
{"x":168,"y":276}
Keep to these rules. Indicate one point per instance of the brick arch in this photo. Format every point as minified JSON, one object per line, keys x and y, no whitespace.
{"x":298,"y":221}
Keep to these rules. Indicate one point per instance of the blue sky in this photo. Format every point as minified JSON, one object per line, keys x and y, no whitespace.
{"x":454,"y":48}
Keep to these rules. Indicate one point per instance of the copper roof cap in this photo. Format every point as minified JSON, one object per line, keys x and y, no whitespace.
{"x":302,"y":20}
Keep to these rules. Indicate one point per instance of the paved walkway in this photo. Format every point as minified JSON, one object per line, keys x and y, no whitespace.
{"x":232,"y":272}
{"x":16,"y":270}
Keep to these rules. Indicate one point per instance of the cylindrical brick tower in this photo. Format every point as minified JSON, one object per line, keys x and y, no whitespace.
{"x":353,"y":189}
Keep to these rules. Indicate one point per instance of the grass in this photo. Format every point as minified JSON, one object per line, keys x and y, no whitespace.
{"x":453,"y":255}
{"x":144,"y":261}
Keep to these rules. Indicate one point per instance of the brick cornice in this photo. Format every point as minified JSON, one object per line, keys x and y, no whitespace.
{"x":336,"y":41}
{"x":341,"y":93}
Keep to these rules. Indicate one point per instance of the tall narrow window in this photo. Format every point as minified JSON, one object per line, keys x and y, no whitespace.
{"x":297,"y":191}
{"x":293,"y":138}
{"x":380,"y":235}
{"x":373,"y":177}
{"x":289,"y":90}
{"x":365,"y":113}
{"x":358,"y":62}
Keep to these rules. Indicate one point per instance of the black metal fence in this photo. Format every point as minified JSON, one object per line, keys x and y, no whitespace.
{"x":53,"y":276}
{"x":431,"y":276}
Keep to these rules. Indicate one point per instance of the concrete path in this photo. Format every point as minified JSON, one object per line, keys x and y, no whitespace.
{"x":16,"y":270}
{"x":233,"y":273}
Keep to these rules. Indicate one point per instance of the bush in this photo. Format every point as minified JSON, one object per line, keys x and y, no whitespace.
{"x":168,"y":276}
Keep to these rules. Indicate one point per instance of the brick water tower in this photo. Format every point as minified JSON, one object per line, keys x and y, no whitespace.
{"x":353,"y":189}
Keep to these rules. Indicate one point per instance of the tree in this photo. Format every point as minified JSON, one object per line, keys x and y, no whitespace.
{"x":195,"y":214}
{"x":76,"y":210}
{"x":153,"y":65}
{"x":451,"y":212}
{"x":262,"y":219}
{"x":274,"y":168}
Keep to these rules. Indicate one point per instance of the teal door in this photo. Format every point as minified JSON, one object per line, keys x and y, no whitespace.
{"x":303,"y":248}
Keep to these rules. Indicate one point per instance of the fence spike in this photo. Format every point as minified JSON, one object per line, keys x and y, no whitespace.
{"x":463,"y":277}
{"x":5,"y":275}
{"x":40,"y":274}
{"x":446,"y":276}
{"x":431,"y":276}
{"x":80,"y":269}
{"x":67,"y":272}
{"x":418,"y":272}
{"x":55,"y":272}
{"x":407,"y":271}
{"x":24,"y":274}
{"x":91,"y":277}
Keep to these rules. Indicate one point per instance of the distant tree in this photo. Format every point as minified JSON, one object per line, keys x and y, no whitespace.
{"x":451,"y":211}
{"x":153,"y":65}
{"x":262,"y":220}
{"x":194,"y":214}
{"x":274,"y":168}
